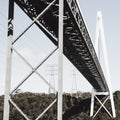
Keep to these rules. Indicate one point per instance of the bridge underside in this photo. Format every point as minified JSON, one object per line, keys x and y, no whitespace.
{"x":78,"y":47}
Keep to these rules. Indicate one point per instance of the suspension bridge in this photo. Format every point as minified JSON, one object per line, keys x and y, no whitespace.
{"x":63,"y":23}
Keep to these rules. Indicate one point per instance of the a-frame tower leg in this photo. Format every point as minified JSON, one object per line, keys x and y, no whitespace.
{"x":10,"y":47}
{"x":60,"y":60}
{"x":9,"y":60}
{"x":108,"y":94}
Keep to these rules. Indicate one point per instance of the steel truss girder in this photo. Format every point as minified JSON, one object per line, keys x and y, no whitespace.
{"x":82,"y":27}
{"x":74,"y":26}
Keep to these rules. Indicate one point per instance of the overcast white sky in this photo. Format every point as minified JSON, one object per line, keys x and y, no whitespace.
{"x":34,"y":46}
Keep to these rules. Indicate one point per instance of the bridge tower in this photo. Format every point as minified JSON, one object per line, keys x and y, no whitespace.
{"x":10,"y":49}
{"x":109,"y":95}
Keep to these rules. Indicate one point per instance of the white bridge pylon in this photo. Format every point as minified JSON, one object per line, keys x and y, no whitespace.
{"x":10,"y":49}
{"x":108,"y":94}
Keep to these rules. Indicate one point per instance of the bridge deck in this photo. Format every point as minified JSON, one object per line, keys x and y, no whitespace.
{"x":78,"y":47}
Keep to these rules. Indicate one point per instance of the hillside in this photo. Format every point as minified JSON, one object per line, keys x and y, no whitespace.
{"x":74,"y":108}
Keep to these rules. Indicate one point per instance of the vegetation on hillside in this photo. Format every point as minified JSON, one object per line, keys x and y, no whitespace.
{"x":74,"y":108}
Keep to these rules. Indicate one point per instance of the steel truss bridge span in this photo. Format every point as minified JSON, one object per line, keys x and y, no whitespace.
{"x":78,"y":47}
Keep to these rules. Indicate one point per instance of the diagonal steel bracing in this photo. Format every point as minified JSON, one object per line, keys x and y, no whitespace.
{"x":34,"y":70}
{"x":11,"y":48}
